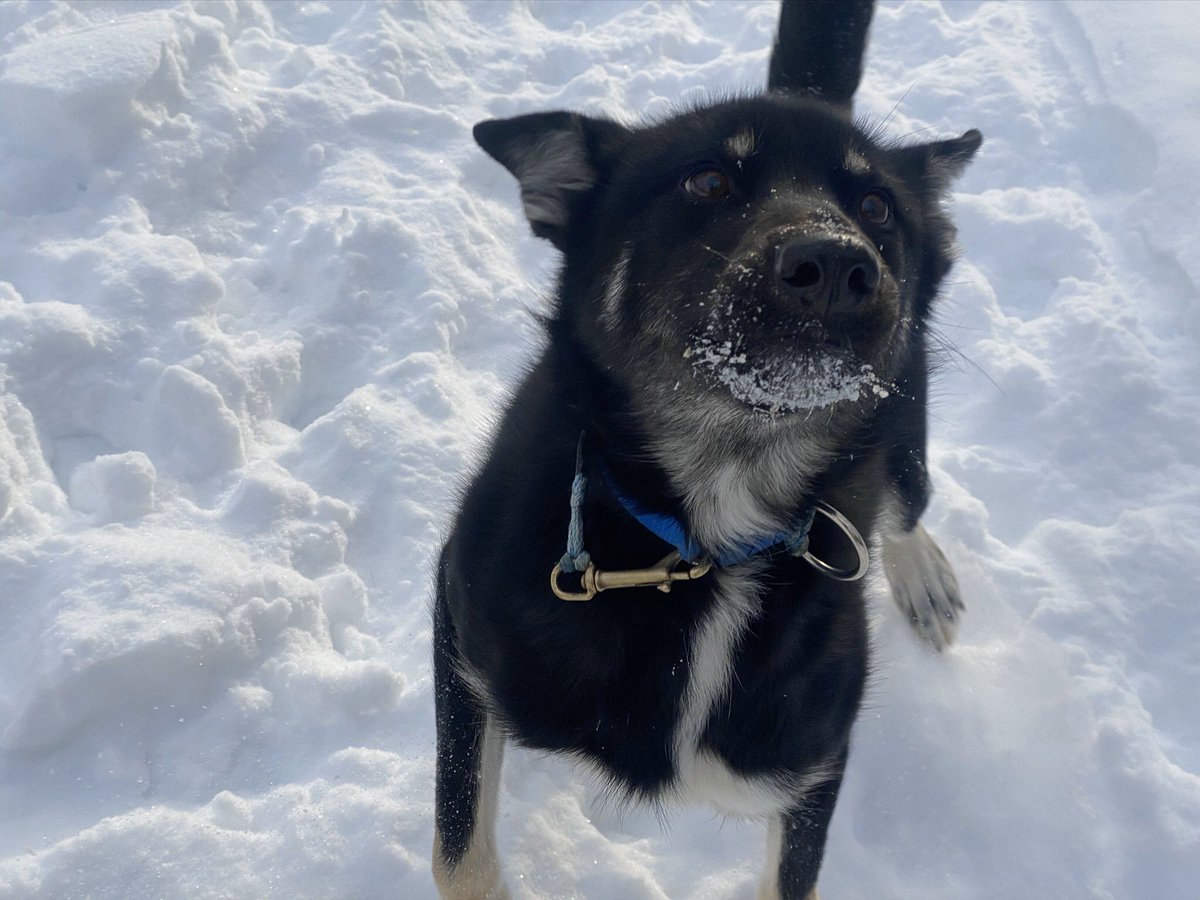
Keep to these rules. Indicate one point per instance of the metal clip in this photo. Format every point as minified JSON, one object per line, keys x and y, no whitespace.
{"x":661,"y":575}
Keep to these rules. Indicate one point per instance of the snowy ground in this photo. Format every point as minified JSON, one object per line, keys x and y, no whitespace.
{"x":259,"y":299}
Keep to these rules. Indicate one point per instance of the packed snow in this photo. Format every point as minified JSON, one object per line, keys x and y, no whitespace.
{"x":260,"y":300}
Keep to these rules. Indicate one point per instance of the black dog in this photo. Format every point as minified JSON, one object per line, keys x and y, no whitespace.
{"x":732,"y":392}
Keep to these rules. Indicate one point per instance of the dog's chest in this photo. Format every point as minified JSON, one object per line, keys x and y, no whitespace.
{"x":701,"y":775}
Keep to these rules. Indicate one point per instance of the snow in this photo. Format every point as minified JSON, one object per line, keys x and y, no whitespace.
{"x":783,"y":385}
{"x":260,"y":299}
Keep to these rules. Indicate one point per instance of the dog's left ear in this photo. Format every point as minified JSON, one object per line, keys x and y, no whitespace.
{"x":819,"y":48}
{"x":558,"y":158}
{"x":940,"y":162}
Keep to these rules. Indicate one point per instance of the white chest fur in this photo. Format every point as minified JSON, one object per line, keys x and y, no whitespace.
{"x":701,"y":776}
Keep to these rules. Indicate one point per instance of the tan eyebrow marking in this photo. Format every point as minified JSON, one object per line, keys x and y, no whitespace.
{"x":741,"y":144}
{"x":856,"y":163}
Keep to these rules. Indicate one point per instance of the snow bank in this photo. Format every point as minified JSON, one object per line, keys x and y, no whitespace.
{"x":260,"y":298}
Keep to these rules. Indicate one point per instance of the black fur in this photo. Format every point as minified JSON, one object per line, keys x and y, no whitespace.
{"x":678,"y":345}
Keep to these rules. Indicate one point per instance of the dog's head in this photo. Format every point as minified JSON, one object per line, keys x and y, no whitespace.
{"x":764,"y":253}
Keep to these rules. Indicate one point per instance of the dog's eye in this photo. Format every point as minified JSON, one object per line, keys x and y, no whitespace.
{"x":710,"y":184}
{"x":875,"y":208}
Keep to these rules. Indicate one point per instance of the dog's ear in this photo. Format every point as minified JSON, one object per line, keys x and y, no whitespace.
{"x":557,"y":157}
{"x":941,"y":161}
{"x":819,"y":48}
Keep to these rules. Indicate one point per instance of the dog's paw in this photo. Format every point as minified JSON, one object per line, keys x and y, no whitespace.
{"x":923,"y":585}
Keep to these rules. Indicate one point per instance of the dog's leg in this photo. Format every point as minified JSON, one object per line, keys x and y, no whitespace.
{"x":470,"y":751}
{"x":922,"y":580}
{"x":796,"y":843}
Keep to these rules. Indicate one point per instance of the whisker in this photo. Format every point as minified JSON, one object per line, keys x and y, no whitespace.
{"x":945,"y":344}
{"x":888,"y":117}
{"x":717,"y":253}
{"x":916,"y":131}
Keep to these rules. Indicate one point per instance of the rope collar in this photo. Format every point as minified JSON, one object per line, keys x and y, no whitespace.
{"x":687,"y":550}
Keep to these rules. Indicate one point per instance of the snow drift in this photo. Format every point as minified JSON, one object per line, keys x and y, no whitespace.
{"x":260,"y":298}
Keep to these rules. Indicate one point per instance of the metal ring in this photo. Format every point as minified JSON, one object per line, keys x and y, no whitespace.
{"x":860,"y":546}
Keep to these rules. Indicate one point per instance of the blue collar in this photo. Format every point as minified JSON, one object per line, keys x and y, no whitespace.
{"x":672,"y":531}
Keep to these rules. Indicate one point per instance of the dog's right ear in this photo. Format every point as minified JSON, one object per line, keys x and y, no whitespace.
{"x":819,"y":48}
{"x":557,"y":157}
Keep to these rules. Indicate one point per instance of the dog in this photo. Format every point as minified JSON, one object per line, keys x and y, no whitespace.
{"x":728,"y":414}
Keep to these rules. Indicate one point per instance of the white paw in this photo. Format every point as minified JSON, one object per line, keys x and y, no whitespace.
{"x":923,"y":584}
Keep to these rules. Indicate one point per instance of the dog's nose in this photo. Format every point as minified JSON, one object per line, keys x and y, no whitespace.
{"x":827,"y":276}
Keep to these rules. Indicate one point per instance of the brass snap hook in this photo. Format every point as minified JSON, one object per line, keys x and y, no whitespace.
{"x":661,"y":575}
{"x":564,"y":594}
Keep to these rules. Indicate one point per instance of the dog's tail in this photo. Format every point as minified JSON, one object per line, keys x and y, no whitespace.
{"x":819,"y":48}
